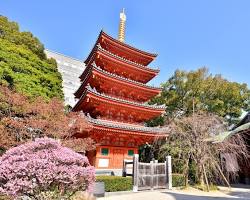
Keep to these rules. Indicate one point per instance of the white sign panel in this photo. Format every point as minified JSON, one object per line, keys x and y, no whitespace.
{"x":103,"y":163}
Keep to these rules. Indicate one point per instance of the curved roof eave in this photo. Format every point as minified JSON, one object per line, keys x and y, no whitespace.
{"x":153,"y":55}
{"x":102,"y":33}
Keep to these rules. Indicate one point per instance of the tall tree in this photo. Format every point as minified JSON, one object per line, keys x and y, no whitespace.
{"x":23,"y":63}
{"x":189,"y":142}
{"x":198,"y":90}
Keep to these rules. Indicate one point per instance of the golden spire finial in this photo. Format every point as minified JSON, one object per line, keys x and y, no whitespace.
{"x":121,"y":36}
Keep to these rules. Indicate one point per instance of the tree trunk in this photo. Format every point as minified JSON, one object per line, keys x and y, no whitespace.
{"x":186,"y":173}
{"x":205,"y":175}
{"x":218,"y":167}
{"x":200,"y":178}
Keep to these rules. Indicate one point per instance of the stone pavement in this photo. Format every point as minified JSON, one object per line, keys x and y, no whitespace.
{"x":190,"y":194}
{"x":240,"y":191}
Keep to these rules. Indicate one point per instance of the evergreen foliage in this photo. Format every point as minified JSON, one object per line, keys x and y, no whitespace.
{"x":23,"y":63}
{"x":194,"y":91}
{"x":115,"y":183}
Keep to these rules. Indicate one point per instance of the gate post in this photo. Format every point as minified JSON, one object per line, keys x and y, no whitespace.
{"x":156,"y":174}
{"x":169,"y":172}
{"x":135,"y":172}
{"x":152,"y":175}
{"x":124,"y":169}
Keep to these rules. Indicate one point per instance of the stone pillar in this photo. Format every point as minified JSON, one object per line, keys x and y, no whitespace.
{"x":156,"y":172}
{"x":169,"y":172}
{"x":135,"y":172}
{"x":152,"y":175}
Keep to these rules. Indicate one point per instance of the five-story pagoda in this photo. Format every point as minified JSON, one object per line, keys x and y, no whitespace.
{"x":113,"y":94}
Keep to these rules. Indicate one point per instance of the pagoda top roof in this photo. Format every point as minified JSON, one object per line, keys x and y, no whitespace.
{"x":103,"y":34}
{"x":149,"y":57}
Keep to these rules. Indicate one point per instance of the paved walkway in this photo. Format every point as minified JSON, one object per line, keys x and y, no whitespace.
{"x":190,"y":194}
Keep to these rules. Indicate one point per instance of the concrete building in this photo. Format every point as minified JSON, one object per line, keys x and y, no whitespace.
{"x":70,"y":69}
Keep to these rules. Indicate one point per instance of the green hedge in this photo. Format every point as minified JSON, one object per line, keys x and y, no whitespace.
{"x":115,"y":183}
{"x":178,"y":180}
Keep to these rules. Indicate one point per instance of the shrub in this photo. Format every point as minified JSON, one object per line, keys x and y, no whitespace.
{"x":4,"y":197}
{"x":115,"y":183}
{"x":80,"y":195}
{"x":44,"y":165}
{"x":178,"y":180}
{"x":48,"y":195}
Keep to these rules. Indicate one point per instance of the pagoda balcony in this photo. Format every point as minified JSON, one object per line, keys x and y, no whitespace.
{"x":110,"y":133}
{"x":123,"y":49}
{"x":98,"y":104}
{"x":103,"y":81}
{"x":121,"y":66}
{"x":127,"y":126}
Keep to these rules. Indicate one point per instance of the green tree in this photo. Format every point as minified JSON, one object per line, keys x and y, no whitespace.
{"x":188,"y":92}
{"x":10,"y":31}
{"x":23,"y":63}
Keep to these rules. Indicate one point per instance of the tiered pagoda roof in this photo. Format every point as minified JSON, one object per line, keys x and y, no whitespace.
{"x":91,"y":100}
{"x":114,"y":92}
{"x":123,"y":101}
{"x":127,"y":126}
{"x":109,"y":61}
{"x":93,"y":71}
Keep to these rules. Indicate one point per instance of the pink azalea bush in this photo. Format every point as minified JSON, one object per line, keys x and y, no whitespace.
{"x":44,"y":165}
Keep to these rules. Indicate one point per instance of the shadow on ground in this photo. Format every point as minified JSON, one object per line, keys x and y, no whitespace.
{"x":233,"y":195}
{"x":241,"y":195}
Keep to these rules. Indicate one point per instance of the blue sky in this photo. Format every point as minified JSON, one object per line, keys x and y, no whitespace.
{"x":185,"y":34}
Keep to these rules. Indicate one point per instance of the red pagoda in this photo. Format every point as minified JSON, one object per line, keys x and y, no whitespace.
{"x":113,"y":94}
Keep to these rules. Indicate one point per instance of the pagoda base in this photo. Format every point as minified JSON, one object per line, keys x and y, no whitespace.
{"x":111,"y":157}
{"x":118,"y":141}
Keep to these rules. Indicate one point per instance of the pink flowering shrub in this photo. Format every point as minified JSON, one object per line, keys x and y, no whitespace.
{"x":44,"y":165}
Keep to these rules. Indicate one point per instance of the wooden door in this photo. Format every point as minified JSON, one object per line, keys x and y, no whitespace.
{"x":118,"y":156}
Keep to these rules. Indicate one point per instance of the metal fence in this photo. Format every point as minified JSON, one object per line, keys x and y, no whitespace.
{"x":149,"y":176}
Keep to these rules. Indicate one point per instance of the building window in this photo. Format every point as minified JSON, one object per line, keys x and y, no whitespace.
{"x":130,"y":152}
{"x":105,"y":151}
